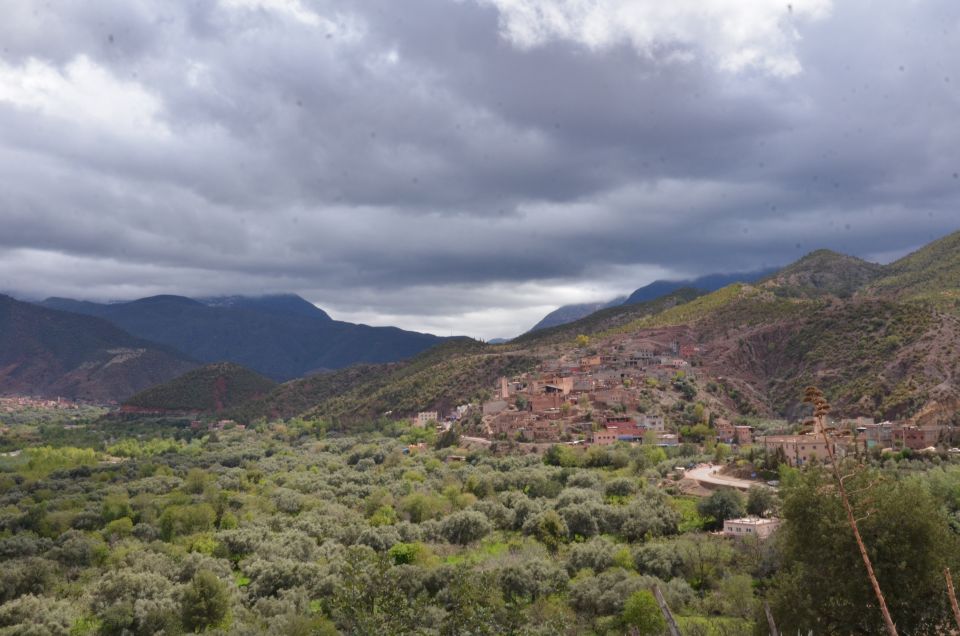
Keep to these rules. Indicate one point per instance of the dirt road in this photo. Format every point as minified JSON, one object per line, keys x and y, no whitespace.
{"x":708,"y":474}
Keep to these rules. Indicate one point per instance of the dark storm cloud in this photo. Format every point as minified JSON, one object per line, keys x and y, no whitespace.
{"x":464,"y":165}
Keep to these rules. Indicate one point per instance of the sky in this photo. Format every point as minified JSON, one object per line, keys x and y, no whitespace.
{"x":464,"y":166}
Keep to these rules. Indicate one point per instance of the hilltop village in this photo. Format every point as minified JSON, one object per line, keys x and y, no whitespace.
{"x":651,"y":390}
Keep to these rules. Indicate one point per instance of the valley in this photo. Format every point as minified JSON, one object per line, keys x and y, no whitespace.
{"x":556,"y":483}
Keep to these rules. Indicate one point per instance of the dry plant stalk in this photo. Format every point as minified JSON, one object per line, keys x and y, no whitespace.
{"x":821,"y":408}
{"x":952,"y":595}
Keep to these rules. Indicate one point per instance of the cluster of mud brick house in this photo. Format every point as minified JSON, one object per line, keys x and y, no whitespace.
{"x":859,"y":434}
{"x":593,"y":397}
{"x":596,"y":398}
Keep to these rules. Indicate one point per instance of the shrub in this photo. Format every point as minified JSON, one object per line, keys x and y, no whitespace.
{"x":645,"y":518}
{"x":31,"y":575}
{"x":205,"y":602}
{"x":549,"y":528}
{"x":530,"y":580}
{"x":187,"y":519}
{"x":620,"y":487}
{"x":725,"y":503}
{"x":598,"y":554}
{"x":642,"y":615}
{"x":465,"y":527}
{"x":37,"y":615}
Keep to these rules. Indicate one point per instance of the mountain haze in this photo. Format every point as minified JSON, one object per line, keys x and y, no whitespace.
{"x":570,"y":313}
{"x":657,"y":289}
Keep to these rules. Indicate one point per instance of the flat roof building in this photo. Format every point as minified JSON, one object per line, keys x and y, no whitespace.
{"x":750,"y":527}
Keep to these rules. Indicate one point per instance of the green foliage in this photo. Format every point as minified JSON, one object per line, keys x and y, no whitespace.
{"x":36,"y":615}
{"x":642,"y":614}
{"x":135,"y":448}
{"x":549,"y":528}
{"x":723,"y":504}
{"x":214,"y":387}
{"x":205,"y":602}
{"x":823,"y":585}
{"x":43,"y":460}
{"x":761,"y":501}
{"x":465,"y":527}
{"x":349,"y":534}
{"x":179,"y":520}
{"x":560,"y":455}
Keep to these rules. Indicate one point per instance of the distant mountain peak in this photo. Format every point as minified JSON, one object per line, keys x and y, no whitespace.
{"x":278,"y":304}
{"x":657,"y":289}
{"x":169,"y":299}
{"x":570,"y":313}
{"x":824,"y":272}
{"x":281,"y":336}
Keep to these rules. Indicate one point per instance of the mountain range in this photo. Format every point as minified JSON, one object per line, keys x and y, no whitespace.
{"x":51,"y":353}
{"x":712,"y":282}
{"x":281,"y":336}
{"x":880,"y":340}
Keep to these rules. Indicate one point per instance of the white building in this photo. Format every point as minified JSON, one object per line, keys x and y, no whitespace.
{"x":750,"y":526}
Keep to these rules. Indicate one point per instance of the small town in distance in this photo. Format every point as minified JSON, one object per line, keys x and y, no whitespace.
{"x":633,"y":390}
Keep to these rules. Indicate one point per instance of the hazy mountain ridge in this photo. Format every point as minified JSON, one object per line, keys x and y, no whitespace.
{"x":874,"y":344}
{"x":656,"y":289}
{"x":570,"y":313}
{"x":281,"y":337}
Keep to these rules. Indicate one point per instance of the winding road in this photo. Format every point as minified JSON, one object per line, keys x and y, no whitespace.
{"x":709,"y":474}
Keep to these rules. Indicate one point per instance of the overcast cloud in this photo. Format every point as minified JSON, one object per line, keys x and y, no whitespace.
{"x":464,"y":166}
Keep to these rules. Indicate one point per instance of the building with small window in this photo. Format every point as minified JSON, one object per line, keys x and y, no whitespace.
{"x":424,"y":418}
{"x":750,"y":527}
{"x":799,"y":450}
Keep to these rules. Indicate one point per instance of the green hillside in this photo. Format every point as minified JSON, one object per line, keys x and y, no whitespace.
{"x":733,"y":306}
{"x":438,"y":378}
{"x":876,"y":358}
{"x":299,"y":396}
{"x":211,"y":388}
{"x":930,"y":273}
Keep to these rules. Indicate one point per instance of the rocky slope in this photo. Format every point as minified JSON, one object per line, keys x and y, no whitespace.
{"x":52,"y":353}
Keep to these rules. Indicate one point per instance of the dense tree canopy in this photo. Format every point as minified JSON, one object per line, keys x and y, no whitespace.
{"x":823,"y":585}
{"x":289,"y":529}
